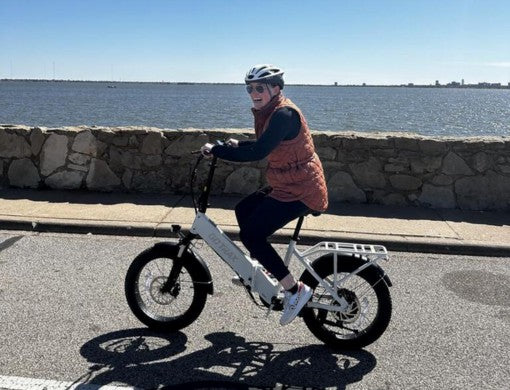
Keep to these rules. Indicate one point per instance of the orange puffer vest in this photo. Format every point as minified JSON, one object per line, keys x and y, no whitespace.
{"x":294,"y":170}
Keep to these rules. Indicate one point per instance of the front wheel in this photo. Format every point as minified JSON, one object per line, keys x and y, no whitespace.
{"x":163,"y":291}
{"x":367,"y":294}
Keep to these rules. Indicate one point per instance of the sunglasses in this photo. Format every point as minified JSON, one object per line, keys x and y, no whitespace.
{"x":258,"y":88}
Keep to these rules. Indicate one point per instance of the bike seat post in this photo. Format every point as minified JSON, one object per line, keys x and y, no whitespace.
{"x":295,"y":236}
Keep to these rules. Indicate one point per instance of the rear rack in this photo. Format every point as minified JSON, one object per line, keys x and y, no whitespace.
{"x":378,"y":251}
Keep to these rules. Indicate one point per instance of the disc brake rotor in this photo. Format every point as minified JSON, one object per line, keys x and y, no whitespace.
{"x":353,"y":311}
{"x":156,"y":293}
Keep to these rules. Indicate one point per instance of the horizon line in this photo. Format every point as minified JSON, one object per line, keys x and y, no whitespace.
{"x":335,"y":84}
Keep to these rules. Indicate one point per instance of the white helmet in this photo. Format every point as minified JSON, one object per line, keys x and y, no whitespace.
{"x":265,"y":73}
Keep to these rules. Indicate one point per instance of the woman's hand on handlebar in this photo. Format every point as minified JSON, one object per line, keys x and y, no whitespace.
{"x":232,"y":142}
{"x":206,"y":150}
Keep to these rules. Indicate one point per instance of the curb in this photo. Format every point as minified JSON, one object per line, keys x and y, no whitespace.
{"x":395,"y":244}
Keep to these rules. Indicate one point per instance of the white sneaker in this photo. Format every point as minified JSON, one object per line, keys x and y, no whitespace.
{"x":293,"y":303}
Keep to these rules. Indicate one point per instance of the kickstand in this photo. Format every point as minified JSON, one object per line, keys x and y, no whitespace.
{"x":269,"y":309}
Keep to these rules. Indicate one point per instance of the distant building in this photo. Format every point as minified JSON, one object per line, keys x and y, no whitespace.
{"x":336,"y":83}
{"x":437,"y":83}
{"x":462,"y":82}
{"x":410,"y":84}
{"x":364,"y":84}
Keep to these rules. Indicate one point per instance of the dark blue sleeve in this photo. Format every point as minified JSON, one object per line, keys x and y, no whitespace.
{"x":284,"y":125}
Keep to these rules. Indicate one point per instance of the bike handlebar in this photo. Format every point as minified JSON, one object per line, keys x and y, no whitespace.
{"x":203,"y":198}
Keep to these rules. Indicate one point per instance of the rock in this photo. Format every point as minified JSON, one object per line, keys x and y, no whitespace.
{"x":412,"y":197}
{"x":133,"y":141}
{"x":127,"y":176}
{"x":395,"y":168}
{"x":149,"y":182}
{"x":179,"y":171}
{"x":186,"y":144}
{"x":80,"y":168}
{"x":326,"y":153}
{"x":101,"y":177}
{"x":481,"y":162}
{"x":152,"y":160}
{"x":120,"y":140}
{"x":455,"y":165}
{"x":86,"y":143}
{"x":442,"y":180}
{"x":152,"y":143}
{"x":54,"y":153}
{"x":405,"y":182}
{"x":488,"y":192}
{"x":23,"y":173}
{"x":341,"y":187}
{"x":124,"y":158}
{"x":244,"y":180}
{"x":69,"y":180}
{"x":104,"y":135}
{"x":13,"y":146}
{"x":36,"y":140}
{"x":426,"y":164}
{"x":394,"y":200}
{"x":437,"y":197}
{"x":432,"y":147}
{"x":406,"y":143}
{"x":79,"y":159}
{"x":504,"y":168}
{"x":368,"y":174}
{"x":354,"y":143}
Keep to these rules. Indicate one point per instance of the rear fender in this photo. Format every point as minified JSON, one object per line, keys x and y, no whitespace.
{"x":197,"y":267}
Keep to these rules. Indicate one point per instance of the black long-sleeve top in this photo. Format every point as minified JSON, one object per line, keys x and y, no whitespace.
{"x":284,"y":125}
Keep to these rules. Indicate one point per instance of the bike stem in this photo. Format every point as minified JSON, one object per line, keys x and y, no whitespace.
{"x":203,"y":200}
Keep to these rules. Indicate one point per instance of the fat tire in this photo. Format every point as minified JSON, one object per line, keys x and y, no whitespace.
{"x":373,"y":275}
{"x":200,"y":291}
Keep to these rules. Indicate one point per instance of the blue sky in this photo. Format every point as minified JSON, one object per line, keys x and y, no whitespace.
{"x":316,"y":42}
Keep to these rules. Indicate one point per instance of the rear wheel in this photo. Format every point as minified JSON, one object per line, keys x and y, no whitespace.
{"x":158,"y":303}
{"x":368,"y":297}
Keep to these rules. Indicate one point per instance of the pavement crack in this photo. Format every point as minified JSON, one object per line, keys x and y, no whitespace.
{"x":170,"y":209}
{"x":9,"y":242}
{"x":440,"y":216}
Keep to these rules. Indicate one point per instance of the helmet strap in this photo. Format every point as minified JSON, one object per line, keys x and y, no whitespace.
{"x":270,"y":92}
{"x":271,"y":95}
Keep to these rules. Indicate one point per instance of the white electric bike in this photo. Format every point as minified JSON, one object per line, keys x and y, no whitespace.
{"x":167,"y":285}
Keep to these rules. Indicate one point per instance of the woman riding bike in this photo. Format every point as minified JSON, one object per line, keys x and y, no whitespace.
{"x":294,"y":174}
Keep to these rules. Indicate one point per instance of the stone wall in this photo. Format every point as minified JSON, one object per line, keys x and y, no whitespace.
{"x":383,"y":168}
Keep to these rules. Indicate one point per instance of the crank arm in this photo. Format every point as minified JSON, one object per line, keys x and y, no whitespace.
{"x":323,"y":306}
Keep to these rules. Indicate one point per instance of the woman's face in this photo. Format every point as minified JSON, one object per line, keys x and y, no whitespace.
{"x":261,"y":94}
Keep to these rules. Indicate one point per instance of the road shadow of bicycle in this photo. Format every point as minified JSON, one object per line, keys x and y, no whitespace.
{"x":141,"y":358}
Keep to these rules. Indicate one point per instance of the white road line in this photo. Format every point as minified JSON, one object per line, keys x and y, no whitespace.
{"x":19,"y":383}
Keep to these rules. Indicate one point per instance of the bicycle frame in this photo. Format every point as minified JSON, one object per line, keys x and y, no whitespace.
{"x":254,"y":275}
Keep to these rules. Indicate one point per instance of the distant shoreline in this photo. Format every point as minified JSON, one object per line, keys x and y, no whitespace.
{"x":483,"y":85}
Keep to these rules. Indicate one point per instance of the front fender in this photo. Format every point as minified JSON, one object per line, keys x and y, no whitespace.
{"x":197,"y":267}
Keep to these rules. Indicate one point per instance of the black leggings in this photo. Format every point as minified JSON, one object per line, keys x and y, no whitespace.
{"x":259,"y":216}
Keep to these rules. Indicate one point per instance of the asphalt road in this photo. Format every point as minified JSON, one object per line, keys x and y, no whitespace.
{"x":64,"y":318}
